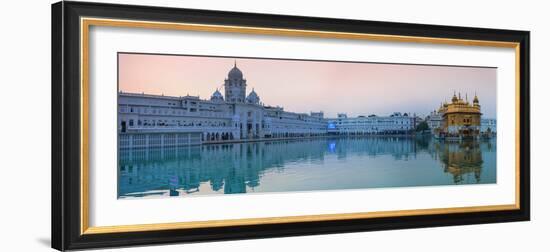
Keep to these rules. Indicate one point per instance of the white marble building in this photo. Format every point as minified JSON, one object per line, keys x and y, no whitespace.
{"x":396,"y":123}
{"x":234,"y":116}
{"x":435,"y":120}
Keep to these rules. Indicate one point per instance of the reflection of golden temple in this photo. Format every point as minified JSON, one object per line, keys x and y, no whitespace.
{"x":460,"y":119}
{"x":461,"y":159}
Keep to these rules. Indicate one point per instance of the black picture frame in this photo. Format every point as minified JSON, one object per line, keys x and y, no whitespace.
{"x":66,"y":124}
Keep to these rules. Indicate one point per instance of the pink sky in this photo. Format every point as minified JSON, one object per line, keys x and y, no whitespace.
{"x":304,"y":86}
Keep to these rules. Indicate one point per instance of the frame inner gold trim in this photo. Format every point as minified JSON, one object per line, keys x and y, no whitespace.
{"x":85,"y":24}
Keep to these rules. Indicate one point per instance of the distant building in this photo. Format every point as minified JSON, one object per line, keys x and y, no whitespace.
{"x":488,"y":126}
{"x":435,"y":120}
{"x":191,"y":120}
{"x":396,"y":123}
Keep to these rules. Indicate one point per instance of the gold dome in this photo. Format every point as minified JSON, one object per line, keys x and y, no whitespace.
{"x":454,"y":99}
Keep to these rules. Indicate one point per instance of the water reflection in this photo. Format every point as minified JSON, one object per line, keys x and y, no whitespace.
{"x":298,"y":165}
{"x":462,"y":159}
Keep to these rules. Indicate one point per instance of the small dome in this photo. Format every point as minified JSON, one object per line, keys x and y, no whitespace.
{"x":476,"y":100}
{"x":454,"y":99}
{"x":253,"y":97}
{"x":235,"y":73}
{"x":216,"y":96}
{"x":253,"y":94}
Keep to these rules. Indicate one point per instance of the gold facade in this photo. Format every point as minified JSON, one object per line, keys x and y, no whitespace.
{"x":460,"y":118}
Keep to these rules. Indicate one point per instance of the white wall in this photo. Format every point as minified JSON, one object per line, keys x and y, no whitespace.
{"x":25,"y":125}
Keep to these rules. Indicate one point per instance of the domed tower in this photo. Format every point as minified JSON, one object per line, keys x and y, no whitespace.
{"x":476,"y":101}
{"x":253,"y":98}
{"x":216,"y":96}
{"x":235,"y":85}
{"x":454,"y":99}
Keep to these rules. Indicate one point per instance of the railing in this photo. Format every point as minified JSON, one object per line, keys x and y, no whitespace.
{"x":144,"y":140}
{"x":176,"y":129}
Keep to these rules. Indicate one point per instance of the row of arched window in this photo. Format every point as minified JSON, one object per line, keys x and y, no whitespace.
{"x":176,"y":123}
{"x":217,"y":136}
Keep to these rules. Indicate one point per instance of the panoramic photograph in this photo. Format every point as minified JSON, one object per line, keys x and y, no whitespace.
{"x":205,"y":125}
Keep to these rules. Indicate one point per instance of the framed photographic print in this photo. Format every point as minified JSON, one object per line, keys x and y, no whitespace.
{"x":180,"y":125}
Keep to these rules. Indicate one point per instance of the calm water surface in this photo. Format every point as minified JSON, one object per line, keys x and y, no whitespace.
{"x":304,"y":165}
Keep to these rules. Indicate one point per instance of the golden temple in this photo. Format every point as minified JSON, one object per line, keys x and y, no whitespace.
{"x":460,"y":119}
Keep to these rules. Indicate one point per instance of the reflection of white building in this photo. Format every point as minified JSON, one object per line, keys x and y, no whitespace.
{"x":396,"y":123}
{"x":186,"y":169}
{"x":234,"y":116}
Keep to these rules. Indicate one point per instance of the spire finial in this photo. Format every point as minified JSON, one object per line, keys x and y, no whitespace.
{"x":235,"y":63}
{"x":476,"y":100}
